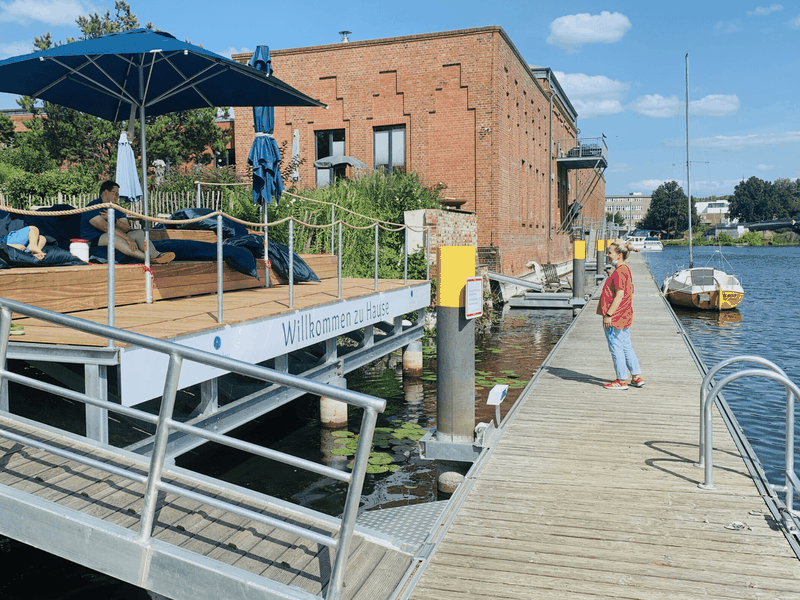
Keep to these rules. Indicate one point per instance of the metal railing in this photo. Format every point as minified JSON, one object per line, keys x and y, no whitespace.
{"x":582,"y":148}
{"x":165,"y":423}
{"x":710,"y":390}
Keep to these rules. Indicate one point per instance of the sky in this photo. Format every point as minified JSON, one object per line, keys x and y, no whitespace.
{"x":622,"y":65}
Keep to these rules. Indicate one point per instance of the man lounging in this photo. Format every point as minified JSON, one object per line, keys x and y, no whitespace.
{"x":131,"y":242}
{"x":27,"y":239}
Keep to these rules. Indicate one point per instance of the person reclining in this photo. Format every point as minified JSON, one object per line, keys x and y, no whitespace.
{"x":28,"y":239}
{"x":131,"y":242}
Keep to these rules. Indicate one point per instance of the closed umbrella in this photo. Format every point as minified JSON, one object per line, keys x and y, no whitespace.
{"x":265,"y":156}
{"x":127,"y":176}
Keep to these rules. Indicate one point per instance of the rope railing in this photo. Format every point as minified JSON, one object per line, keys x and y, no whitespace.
{"x":375,"y":224}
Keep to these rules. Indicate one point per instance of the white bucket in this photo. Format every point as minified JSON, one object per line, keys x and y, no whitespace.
{"x":80,"y":248}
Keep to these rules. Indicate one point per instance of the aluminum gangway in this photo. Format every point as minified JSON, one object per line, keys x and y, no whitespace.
{"x":169,"y":530}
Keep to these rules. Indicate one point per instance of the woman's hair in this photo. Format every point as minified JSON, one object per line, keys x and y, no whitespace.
{"x":622,"y":247}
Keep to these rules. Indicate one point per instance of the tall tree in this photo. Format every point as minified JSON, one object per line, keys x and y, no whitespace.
{"x":669,"y":210}
{"x":754,"y":200}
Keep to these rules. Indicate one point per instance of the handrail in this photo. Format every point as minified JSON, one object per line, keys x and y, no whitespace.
{"x":165,"y":423}
{"x":792,"y":483}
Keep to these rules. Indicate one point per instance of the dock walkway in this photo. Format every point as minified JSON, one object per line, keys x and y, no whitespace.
{"x":593,"y":493}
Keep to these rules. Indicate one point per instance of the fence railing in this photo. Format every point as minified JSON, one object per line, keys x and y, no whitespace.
{"x":165,"y":424}
{"x":160,"y":203}
{"x":709,"y":391}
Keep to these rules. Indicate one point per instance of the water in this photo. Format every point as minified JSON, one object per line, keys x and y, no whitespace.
{"x":510,"y":354}
{"x":765,"y":324}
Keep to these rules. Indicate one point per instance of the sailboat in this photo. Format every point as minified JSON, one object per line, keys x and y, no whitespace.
{"x":704,"y":288}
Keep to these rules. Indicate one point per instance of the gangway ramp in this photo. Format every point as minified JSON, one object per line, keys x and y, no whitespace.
{"x":170,"y":530}
{"x":197,"y":551}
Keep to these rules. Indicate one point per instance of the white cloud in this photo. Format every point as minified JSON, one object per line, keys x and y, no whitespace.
{"x":714,"y":105}
{"x":763,"y":167}
{"x":231,"y":51}
{"x":15,"y":49}
{"x":763,"y":11}
{"x":740,"y":142}
{"x":646,"y":186}
{"x":572,"y":31}
{"x":727,"y":27}
{"x":659,"y":107}
{"x":795,"y":22}
{"x":656,"y":106}
{"x":52,"y":12}
{"x":593,"y":95}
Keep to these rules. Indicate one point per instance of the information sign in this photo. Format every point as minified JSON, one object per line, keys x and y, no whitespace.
{"x":474,"y":298}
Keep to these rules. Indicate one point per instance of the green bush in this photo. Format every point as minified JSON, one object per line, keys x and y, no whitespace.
{"x":375,"y":196}
{"x":752,"y":238}
{"x":21,"y":185}
{"x":723,"y":239}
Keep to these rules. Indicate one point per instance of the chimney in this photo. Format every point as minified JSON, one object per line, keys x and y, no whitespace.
{"x":344,"y":35}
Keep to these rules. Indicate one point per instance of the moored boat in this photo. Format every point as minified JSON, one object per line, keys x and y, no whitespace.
{"x":704,"y":288}
{"x":652,"y":244}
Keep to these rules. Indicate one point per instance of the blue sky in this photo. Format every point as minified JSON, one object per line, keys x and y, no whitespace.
{"x":621,"y":64}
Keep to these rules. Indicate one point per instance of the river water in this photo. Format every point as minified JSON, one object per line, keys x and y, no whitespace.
{"x":766,"y":324}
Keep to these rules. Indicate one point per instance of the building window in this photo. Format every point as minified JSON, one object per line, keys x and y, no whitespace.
{"x":390,"y":148}
{"x":329,"y":142}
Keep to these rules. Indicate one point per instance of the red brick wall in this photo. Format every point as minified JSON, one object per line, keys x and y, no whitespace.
{"x":477,"y":123}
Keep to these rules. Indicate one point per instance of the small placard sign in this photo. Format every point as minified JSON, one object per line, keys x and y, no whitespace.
{"x":474,"y":297}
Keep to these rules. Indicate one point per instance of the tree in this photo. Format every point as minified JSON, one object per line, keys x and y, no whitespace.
{"x":615,"y":218}
{"x":669,"y":209}
{"x":6,"y":130}
{"x":754,"y":200}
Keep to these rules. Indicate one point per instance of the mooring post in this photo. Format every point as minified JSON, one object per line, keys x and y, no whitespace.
{"x":601,"y":258}
{"x":455,"y":356}
{"x":412,"y":359}
{"x":578,"y":267}
{"x":333,"y":413}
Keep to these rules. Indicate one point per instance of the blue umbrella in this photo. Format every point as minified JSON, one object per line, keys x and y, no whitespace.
{"x":265,"y":156}
{"x":113,"y":75}
{"x":127,"y":177}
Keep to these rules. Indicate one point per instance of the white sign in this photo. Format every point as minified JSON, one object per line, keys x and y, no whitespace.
{"x":474,"y":298}
{"x":143,"y":371}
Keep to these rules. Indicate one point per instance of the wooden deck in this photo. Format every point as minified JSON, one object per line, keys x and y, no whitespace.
{"x":185,"y":301}
{"x":593,"y":493}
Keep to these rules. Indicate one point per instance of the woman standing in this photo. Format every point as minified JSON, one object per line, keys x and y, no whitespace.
{"x":616,"y":306}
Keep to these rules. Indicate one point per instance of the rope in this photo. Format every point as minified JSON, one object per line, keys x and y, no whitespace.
{"x":385,"y":225}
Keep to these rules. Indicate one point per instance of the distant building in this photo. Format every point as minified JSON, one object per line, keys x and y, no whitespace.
{"x":713,"y":212}
{"x":632,"y":208}
{"x":464,"y":111}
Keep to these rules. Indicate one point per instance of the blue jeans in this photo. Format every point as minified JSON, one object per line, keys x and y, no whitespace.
{"x":619,"y":343}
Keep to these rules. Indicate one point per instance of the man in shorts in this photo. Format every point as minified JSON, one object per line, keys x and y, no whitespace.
{"x":131,"y":242}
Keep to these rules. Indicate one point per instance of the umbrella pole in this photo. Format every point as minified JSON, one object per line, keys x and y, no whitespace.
{"x":145,"y":207}
{"x":266,"y":245}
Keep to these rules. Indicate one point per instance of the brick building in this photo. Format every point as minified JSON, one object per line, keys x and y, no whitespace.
{"x":465,"y":112}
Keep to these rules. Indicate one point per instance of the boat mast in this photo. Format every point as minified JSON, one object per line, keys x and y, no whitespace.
{"x":688,"y":188}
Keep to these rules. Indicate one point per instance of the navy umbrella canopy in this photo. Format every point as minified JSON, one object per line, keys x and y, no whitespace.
{"x":141,"y":68}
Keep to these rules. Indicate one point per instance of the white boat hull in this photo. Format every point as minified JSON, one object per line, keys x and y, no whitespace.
{"x":703,"y":288}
